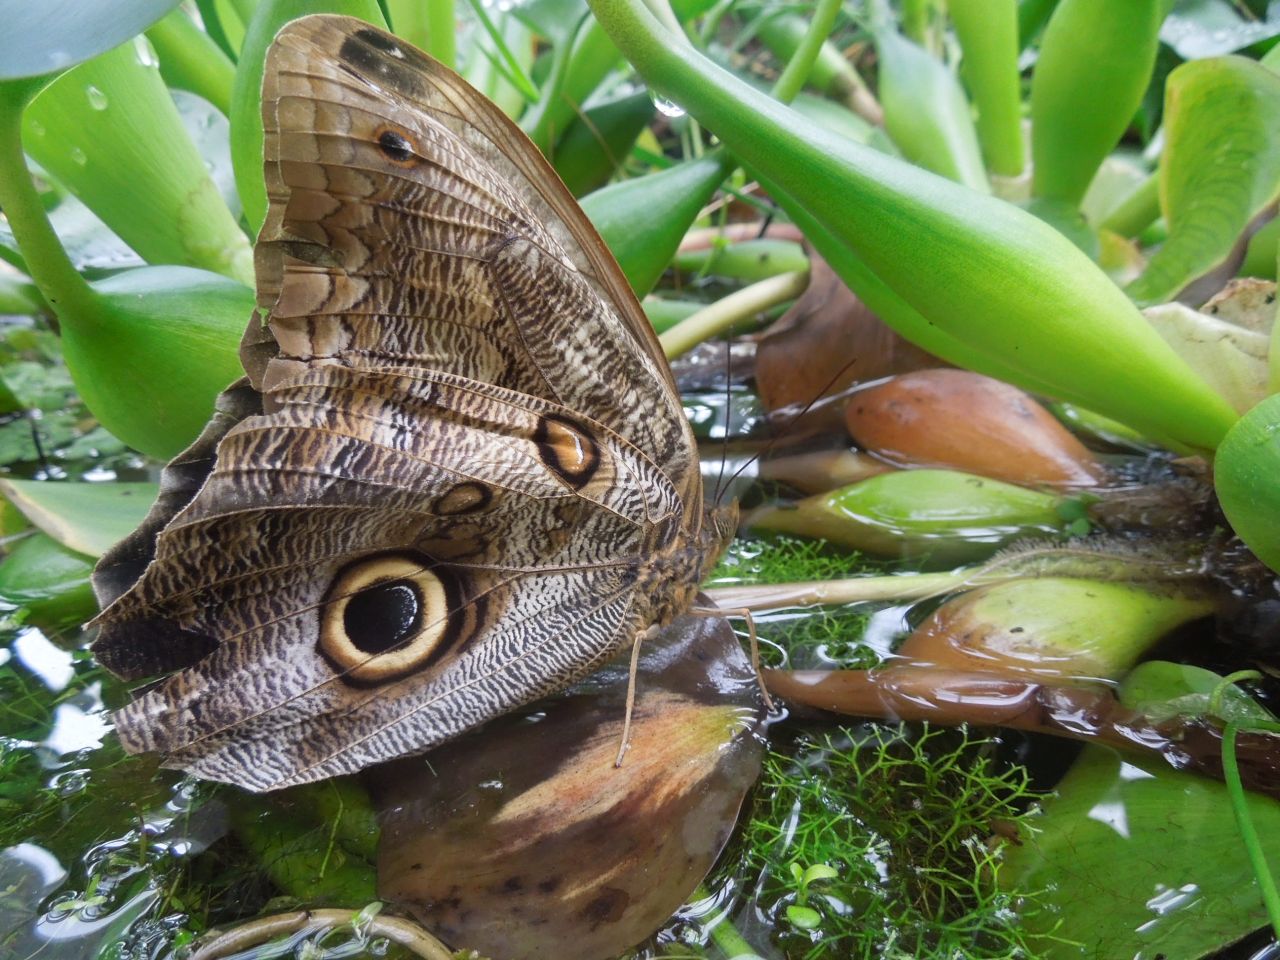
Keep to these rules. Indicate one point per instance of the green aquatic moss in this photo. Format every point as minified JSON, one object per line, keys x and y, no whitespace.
{"x":912,"y":821}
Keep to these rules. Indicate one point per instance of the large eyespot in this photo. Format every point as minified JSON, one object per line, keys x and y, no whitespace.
{"x":384,"y":617}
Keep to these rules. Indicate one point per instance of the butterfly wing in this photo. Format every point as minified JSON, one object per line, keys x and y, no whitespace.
{"x":442,"y":494}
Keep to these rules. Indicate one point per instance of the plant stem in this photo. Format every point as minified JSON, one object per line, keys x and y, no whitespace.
{"x":441,"y":31}
{"x":801,"y":63}
{"x":1248,"y":832}
{"x":727,"y":311}
{"x":988,"y":32}
{"x":191,"y":60}
{"x":725,"y":935}
{"x":767,"y":596}
{"x":1136,"y":211}
{"x":47,"y":262}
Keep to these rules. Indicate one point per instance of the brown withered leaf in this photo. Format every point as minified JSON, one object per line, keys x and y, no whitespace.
{"x":524,"y":840}
{"x":828,"y":336}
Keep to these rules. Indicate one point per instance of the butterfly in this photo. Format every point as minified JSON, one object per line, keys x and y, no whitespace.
{"x":457,"y":474}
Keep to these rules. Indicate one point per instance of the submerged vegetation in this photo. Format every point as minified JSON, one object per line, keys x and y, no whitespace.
{"x":874,"y":805}
{"x":1000,"y":411}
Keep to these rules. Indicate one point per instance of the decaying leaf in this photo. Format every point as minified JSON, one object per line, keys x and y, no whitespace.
{"x":524,"y":840}
{"x":828,"y":337}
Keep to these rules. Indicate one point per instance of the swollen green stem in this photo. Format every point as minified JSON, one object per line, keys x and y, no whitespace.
{"x":47,"y":262}
{"x":726,"y":936}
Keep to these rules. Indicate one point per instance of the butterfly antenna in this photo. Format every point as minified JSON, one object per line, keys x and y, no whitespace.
{"x":782,"y":431}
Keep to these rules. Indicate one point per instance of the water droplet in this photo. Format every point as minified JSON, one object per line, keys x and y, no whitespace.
{"x":145,"y":51}
{"x":97,"y":99}
{"x":78,"y":156}
{"x":37,"y":128}
{"x":667,"y":107}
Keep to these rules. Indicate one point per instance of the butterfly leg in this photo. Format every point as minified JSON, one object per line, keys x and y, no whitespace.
{"x":745,"y":614}
{"x":625,"y":745}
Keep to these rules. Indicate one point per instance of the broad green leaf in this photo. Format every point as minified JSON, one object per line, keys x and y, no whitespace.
{"x":109,"y":131}
{"x":926,"y":113}
{"x":48,"y":580}
{"x":89,"y":243}
{"x":1219,"y":175}
{"x":86,"y":517}
{"x":1196,"y":29}
{"x":41,"y":37}
{"x":246,"y":93}
{"x":1095,"y":59}
{"x":1244,"y":476}
{"x":1159,"y":689}
{"x":1137,"y":860}
{"x":153,"y":351}
{"x":643,"y":219}
{"x":991,"y":277}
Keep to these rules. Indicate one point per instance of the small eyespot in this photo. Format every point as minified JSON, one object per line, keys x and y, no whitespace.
{"x":395,"y":146}
{"x":383,"y":617}
{"x":567,"y":448}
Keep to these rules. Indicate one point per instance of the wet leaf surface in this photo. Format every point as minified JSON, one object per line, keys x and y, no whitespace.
{"x":524,"y":840}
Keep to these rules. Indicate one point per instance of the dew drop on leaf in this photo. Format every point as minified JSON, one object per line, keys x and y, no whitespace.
{"x":666,"y":107}
{"x":145,"y":51}
{"x":97,"y":99}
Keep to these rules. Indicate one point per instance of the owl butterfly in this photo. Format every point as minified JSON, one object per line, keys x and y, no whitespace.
{"x":457,"y":475}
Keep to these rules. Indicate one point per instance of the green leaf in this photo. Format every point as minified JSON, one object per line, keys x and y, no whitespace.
{"x":1209,"y":28}
{"x":86,"y":517}
{"x":1158,"y":848}
{"x":48,"y":580}
{"x":1159,"y":690}
{"x":806,"y":918}
{"x":51,"y":35}
{"x":820,"y":871}
{"x":110,"y":132}
{"x":1219,"y":175}
{"x":89,"y":243}
{"x":992,"y":278}
{"x":156,"y":347}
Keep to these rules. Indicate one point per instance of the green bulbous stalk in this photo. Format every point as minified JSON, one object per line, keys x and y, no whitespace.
{"x":246,"y":93}
{"x":191,"y":60}
{"x":596,"y":143}
{"x":1244,"y":475}
{"x":988,"y":33}
{"x":989,"y":275}
{"x":943,"y":514}
{"x":1095,"y":63}
{"x":643,"y":220}
{"x":926,"y":113}
{"x":108,"y":129}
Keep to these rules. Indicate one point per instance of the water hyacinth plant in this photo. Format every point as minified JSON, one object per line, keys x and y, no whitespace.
{"x":972,"y":306}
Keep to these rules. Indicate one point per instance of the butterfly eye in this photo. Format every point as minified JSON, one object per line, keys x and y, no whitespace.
{"x":383,"y":617}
